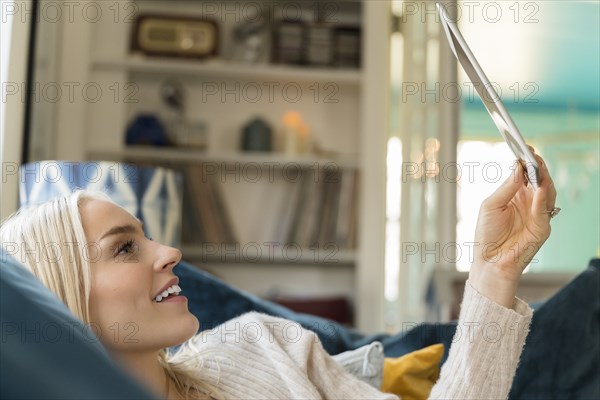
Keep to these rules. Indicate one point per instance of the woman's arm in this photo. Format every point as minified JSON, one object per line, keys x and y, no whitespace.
{"x":513,"y":224}
{"x":258,"y":356}
{"x":485,"y":350}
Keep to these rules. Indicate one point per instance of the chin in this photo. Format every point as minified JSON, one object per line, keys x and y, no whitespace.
{"x":187,"y":328}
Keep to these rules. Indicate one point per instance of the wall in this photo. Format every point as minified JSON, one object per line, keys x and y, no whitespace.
{"x":13,"y":106}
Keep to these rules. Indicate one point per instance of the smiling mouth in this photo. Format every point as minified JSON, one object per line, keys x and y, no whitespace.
{"x":171,"y":291}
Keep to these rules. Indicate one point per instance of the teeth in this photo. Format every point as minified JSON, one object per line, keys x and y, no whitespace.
{"x":174,"y":289}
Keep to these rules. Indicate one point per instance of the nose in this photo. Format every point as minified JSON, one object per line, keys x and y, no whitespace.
{"x":168,"y":258}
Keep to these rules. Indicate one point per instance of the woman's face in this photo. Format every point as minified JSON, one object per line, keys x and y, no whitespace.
{"x":127,"y":274}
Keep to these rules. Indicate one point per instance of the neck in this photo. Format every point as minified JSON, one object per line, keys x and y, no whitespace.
{"x":146,"y":368}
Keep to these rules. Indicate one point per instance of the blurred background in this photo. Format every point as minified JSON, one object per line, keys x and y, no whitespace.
{"x":332,"y":155}
{"x":543,"y":60}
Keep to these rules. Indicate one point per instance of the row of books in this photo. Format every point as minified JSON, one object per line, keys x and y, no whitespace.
{"x":321,"y":212}
{"x":206,"y":219}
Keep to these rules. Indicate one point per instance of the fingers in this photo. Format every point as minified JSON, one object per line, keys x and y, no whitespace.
{"x":548,"y":184}
{"x":505,"y":193}
{"x":544,"y":198}
{"x":539,"y":205}
{"x":545,"y":182}
{"x":539,"y":215}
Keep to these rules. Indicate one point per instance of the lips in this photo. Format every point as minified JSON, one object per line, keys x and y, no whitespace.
{"x":171,"y":282}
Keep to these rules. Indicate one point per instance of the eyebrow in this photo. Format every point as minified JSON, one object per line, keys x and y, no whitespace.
{"x":116,"y":230}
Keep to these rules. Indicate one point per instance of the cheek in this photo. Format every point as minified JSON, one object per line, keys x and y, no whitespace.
{"x":118,"y":296}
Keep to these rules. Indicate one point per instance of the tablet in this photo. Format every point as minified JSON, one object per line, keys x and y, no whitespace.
{"x":490,"y":98}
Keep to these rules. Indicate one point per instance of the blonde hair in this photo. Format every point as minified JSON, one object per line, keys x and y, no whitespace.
{"x":51,"y":243}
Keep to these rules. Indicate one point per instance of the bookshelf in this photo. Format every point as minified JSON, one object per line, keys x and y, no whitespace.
{"x":316,"y":210}
{"x":351,"y":132}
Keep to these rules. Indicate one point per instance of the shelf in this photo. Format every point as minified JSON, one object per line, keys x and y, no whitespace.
{"x":263,"y":160}
{"x":230,"y":254}
{"x":224,"y":69}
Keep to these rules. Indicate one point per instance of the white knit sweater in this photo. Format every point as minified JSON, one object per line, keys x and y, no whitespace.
{"x":256,"y":356}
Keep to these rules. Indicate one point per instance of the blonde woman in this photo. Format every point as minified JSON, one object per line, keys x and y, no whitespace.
{"x":98,"y":261}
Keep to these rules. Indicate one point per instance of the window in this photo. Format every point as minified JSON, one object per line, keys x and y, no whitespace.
{"x":548,"y":78}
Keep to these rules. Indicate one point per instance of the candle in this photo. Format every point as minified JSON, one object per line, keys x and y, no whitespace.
{"x":294,"y":133}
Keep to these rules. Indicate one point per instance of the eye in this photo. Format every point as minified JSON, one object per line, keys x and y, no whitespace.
{"x":125,"y":248}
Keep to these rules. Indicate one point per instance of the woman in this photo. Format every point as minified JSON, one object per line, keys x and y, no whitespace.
{"x":97,"y":260}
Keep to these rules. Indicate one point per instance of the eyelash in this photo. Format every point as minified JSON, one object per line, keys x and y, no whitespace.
{"x":125,"y":246}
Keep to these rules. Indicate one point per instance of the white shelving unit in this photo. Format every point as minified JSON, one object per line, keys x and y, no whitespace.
{"x":266,"y":160}
{"x":325,"y":257}
{"x":351,"y":130}
{"x":223,"y":69}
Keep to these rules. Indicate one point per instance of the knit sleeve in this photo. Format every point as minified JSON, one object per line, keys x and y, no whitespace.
{"x":485,"y":350}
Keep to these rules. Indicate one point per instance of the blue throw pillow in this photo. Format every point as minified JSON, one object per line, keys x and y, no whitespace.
{"x":46,"y":351}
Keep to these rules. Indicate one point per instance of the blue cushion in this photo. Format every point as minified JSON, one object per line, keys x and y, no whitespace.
{"x":46,"y":351}
{"x":561,"y":359}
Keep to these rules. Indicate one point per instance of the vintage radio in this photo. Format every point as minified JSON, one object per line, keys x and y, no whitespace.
{"x":174,"y":36}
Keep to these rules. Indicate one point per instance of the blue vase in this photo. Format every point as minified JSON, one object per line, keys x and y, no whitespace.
{"x":146,"y":129}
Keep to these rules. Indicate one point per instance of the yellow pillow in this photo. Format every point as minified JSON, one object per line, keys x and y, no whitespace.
{"x":413,"y":375}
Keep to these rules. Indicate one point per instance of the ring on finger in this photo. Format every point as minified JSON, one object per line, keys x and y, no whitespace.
{"x":554,"y":212}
